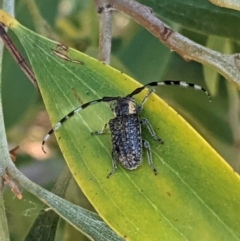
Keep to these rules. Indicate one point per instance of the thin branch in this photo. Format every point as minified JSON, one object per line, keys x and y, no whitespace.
{"x":227,"y":65}
{"x":17,"y":56}
{"x":105,"y":30}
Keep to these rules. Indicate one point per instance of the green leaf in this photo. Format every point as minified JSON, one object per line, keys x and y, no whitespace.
{"x":195,"y":194}
{"x":211,"y":76}
{"x":145,"y":57}
{"x":83,"y":220}
{"x":45,"y":225}
{"x":198,"y":15}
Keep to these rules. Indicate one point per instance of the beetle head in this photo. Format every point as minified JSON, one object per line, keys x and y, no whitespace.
{"x":124,"y":106}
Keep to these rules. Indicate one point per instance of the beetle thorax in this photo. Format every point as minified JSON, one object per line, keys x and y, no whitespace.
{"x":125,"y":106}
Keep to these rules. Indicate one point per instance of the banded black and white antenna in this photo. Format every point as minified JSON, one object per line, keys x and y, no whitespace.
{"x":72,"y":113}
{"x":135,"y":92}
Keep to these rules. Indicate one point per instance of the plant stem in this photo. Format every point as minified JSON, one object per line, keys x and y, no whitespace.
{"x":17,"y":56}
{"x":8,"y":5}
{"x":227,"y":65}
{"x":105,"y":30}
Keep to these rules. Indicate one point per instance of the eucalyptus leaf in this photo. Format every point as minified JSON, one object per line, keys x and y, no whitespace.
{"x":195,"y":194}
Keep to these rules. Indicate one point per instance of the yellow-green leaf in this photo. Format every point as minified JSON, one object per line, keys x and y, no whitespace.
{"x":195,"y":196}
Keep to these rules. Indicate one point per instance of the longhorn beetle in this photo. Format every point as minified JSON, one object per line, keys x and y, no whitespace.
{"x":125,"y":127}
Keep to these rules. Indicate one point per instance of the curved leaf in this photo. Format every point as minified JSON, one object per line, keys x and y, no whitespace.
{"x":233,"y":4}
{"x":195,"y":194}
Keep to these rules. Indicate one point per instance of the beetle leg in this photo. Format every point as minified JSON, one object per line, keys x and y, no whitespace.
{"x":112,"y":103}
{"x":140,"y":107}
{"x":149,"y":155}
{"x":114,"y":166}
{"x":144,"y":121}
{"x":102,"y":132}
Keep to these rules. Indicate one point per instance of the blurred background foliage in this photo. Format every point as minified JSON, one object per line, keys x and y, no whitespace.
{"x":135,"y":52}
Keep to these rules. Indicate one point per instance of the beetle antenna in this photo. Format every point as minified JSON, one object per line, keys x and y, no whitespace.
{"x":72,"y":113}
{"x":171,"y":82}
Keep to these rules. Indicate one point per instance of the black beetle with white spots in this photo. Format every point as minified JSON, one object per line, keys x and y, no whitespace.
{"x":125,"y":127}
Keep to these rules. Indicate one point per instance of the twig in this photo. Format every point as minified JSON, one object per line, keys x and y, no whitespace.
{"x":105,"y":30}
{"x":227,"y":65}
{"x":8,"y":181}
{"x":17,"y":56}
{"x":13,"y":186}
